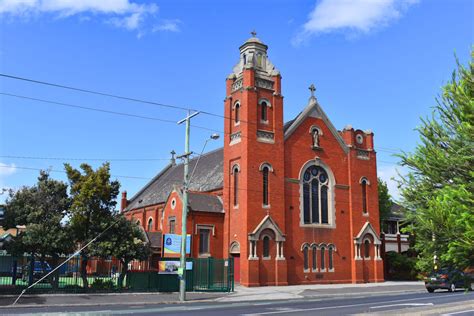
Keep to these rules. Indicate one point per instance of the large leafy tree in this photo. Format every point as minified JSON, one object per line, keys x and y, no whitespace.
{"x":385,"y":201}
{"x":93,"y":202}
{"x":42,"y":208}
{"x":438,"y":192}
{"x":126,"y":241}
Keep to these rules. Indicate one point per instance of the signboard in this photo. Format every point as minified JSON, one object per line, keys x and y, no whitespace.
{"x":172,"y":267}
{"x":172,"y":244}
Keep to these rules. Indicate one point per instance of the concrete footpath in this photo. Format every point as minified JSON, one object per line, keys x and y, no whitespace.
{"x":241,"y":294}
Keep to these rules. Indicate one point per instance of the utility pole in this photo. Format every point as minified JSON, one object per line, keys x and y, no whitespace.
{"x":184,"y":216}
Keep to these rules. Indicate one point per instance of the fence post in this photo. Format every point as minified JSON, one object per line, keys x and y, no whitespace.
{"x":15,"y":267}
{"x":31,"y":270}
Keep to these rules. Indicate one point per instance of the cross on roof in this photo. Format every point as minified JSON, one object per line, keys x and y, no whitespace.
{"x":312,"y":88}
{"x":254,"y":34}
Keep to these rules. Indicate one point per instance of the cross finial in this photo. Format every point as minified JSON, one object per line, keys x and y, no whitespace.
{"x":312,"y":88}
{"x":254,"y":34}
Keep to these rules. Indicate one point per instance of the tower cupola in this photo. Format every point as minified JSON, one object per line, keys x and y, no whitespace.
{"x":253,"y":55}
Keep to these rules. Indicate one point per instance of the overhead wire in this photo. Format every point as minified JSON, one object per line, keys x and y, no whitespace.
{"x":62,"y":171}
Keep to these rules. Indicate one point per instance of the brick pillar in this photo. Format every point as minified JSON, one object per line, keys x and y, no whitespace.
{"x":281,"y":272}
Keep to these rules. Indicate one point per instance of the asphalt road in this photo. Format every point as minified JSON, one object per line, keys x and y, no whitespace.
{"x":337,"y":306}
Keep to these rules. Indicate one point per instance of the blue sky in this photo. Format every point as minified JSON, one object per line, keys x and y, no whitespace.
{"x":376,"y":64}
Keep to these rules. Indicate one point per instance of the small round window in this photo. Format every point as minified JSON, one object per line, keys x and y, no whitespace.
{"x":173,"y":203}
{"x":359,"y":139}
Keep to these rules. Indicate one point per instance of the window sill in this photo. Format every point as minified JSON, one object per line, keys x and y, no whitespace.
{"x":264,"y":122}
{"x":331,"y":270}
{"x":204,"y":255}
{"x":330,"y":226}
{"x":322,"y":270}
{"x":265,"y":206}
{"x":306,"y":271}
{"x":267,"y":258}
{"x":253,"y":258}
{"x":314,"y":270}
{"x":366,"y":214}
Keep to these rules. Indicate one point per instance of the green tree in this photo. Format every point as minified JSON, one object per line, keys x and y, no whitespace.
{"x":385,"y":201}
{"x":126,"y":241}
{"x":42,"y":209}
{"x":438,"y":192}
{"x":93,"y":202}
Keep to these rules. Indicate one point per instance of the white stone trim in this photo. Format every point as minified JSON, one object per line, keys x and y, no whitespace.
{"x":331,"y":195}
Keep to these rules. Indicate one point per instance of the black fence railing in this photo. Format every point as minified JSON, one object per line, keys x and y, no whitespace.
{"x":103,"y":275}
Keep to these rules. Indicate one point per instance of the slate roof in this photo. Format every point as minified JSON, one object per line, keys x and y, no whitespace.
{"x":155,"y":239}
{"x":396,"y":212}
{"x":207,"y":177}
{"x":205,"y":203}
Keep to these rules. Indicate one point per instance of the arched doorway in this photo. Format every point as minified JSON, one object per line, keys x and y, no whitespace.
{"x":235,"y":254}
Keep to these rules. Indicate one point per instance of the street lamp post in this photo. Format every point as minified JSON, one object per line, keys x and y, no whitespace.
{"x":182,"y":265}
{"x":187,"y":153}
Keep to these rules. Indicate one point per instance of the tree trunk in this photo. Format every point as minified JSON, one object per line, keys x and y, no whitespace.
{"x":123,"y":273}
{"x":55,"y":275}
{"x":85,"y":282}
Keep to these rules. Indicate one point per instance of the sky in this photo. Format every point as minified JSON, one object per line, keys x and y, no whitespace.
{"x":376,"y":64}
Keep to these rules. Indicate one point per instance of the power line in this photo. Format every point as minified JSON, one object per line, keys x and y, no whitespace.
{"x":100,"y":110}
{"x":383,"y":149}
{"x":83,"y":159}
{"x":94,"y":92}
{"x":62,"y":171}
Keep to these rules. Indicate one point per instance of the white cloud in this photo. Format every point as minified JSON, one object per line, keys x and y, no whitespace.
{"x":352,"y":15}
{"x":388,"y":173}
{"x":168,"y":25}
{"x":125,"y":14}
{"x":7,"y":169}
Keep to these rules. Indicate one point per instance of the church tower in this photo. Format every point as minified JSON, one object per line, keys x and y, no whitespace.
{"x":254,"y":189}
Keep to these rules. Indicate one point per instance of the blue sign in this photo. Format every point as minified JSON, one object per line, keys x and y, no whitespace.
{"x":173,"y":244}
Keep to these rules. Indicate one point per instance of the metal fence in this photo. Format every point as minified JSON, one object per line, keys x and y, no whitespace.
{"x":103,"y":275}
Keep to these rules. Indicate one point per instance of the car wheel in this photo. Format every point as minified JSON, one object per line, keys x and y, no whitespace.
{"x":452,"y":287}
{"x":430,"y":290}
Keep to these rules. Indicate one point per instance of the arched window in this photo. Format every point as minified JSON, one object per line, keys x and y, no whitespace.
{"x":264,"y":111}
{"x":331,"y":259}
{"x":367,"y":248}
{"x":305,"y":258}
{"x":237,"y":113}
{"x":323,"y":263}
{"x":315,"y":257}
{"x":150,"y":225}
{"x":364,"y":183}
{"x":265,"y":172}
{"x":315,"y":189}
{"x":266,"y":247}
{"x":235,"y":172}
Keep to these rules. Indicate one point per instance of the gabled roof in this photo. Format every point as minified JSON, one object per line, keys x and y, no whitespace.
{"x":267,"y":223}
{"x":154,"y":238}
{"x":205,"y":203}
{"x":208,"y":176}
{"x":367,"y":229}
{"x":313,"y":109}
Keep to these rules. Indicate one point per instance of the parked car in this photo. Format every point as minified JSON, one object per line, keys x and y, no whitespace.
{"x":448,"y":279}
{"x":38,"y":271}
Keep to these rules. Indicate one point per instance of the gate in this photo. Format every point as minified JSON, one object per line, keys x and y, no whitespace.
{"x":211,"y":274}
{"x":207,"y":274}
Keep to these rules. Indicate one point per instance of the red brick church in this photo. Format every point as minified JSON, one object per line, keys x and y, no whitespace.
{"x":293,"y":203}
